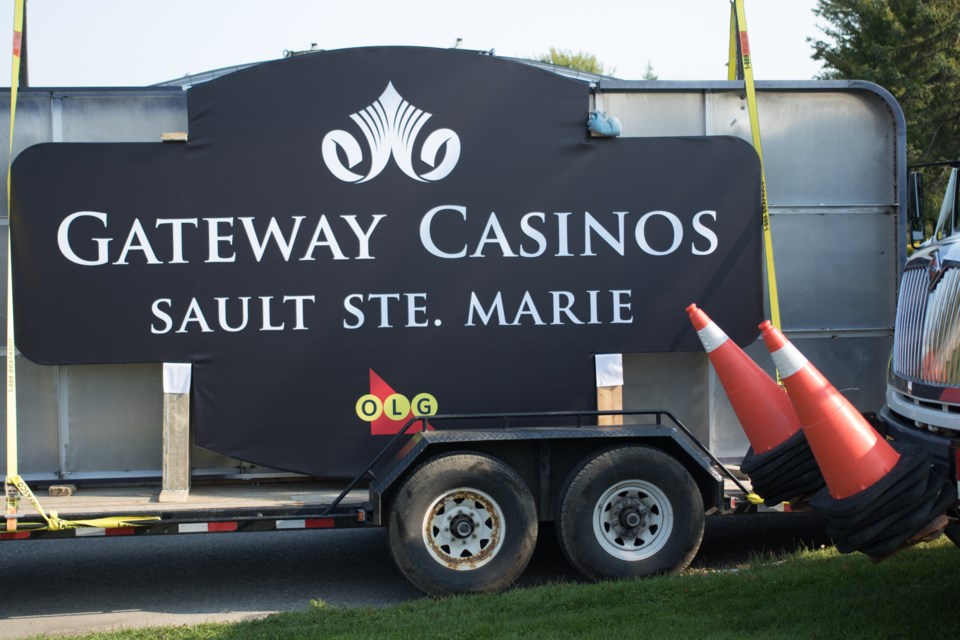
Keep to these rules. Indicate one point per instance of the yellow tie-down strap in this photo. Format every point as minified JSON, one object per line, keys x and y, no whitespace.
{"x":740,"y":60}
{"x":11,"y":423}
{"x":55,"y":523}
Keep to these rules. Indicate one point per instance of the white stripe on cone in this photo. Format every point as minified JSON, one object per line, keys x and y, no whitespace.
{"x":712,"y":337}
{"x":788,"y":360}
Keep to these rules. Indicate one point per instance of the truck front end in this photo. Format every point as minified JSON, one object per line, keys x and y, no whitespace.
{"x":923,"y":381}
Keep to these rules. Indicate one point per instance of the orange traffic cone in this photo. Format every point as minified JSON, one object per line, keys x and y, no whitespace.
{"x":850,"y":453}
{"x":763,"y":408}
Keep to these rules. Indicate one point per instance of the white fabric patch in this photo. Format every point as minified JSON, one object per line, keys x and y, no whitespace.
{"x":609,"y":369}
{"x":176,"y":377}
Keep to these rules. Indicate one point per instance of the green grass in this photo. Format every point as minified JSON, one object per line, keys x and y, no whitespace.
{"x":813,"y":594}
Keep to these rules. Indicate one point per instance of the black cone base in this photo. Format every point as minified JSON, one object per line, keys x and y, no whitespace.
{"x":884,"y":517}
{"x":786,"y":473}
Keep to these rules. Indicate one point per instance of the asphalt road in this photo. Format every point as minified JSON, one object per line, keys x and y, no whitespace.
{"x":85,"y":585}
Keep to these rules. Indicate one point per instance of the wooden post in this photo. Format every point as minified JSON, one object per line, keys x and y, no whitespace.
{"x":176,"y":432}
{"x":609,"y":368}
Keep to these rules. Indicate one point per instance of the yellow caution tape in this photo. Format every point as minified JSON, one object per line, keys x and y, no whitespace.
{"x":732,"y":56}
{"x":55,"y":523}
{"x":740,"y":60}
{"x":11,"y":348}
{"x":19,"y":487}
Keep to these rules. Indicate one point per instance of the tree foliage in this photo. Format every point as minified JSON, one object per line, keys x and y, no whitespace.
{"x":649,"y":73}
{"x":575,"y":60}
{"x":911,"y":48}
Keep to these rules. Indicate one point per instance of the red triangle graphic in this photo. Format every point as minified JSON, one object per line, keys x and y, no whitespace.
{"x":384,"y":425}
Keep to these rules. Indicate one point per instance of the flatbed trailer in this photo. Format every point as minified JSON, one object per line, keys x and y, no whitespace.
{"x":267,"y":504}
{"x":461,"y":497}
{"x":471,"y":480}
{"x":214,"y":508}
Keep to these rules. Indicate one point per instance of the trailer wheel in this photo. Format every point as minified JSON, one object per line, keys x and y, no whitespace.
{"x":952,"y":532}
{"x":630,"y":512}
{"x":462,"y":523}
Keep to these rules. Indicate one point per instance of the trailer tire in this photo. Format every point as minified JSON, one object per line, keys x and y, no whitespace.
{"x":952,"y":531}
{"x":630,"y":512}
{"x":462,"y":523}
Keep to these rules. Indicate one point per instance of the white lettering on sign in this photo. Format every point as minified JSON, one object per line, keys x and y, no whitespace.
{"x":86,"y":238}
{"x":386,"y":308}
{"x":223,"y":242}
{"x":101,"y":244}
{"x":557,"y":307}
{"x":705,"y":232}
{"x":230,"y":314}
{"x":536,"y":236}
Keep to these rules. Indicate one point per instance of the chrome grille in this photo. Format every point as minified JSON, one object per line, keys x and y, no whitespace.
{"x":926,"y":345}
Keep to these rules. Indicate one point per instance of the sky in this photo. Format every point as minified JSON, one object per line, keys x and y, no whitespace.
{"x":83,"y":43}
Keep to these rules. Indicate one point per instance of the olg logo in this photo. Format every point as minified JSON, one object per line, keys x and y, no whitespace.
{"x":396,"y":407}
{"x":388,"y":415}
{"x":387,"y":411}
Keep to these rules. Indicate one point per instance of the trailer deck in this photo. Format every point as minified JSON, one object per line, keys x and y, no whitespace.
{"x":207,"y":509}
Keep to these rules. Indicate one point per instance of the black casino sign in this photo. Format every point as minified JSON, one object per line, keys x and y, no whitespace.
{"x":353,"y":235}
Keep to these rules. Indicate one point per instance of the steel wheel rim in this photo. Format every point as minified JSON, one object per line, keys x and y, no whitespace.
{"x":449,"y":518}
{"x":633,"y":520}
